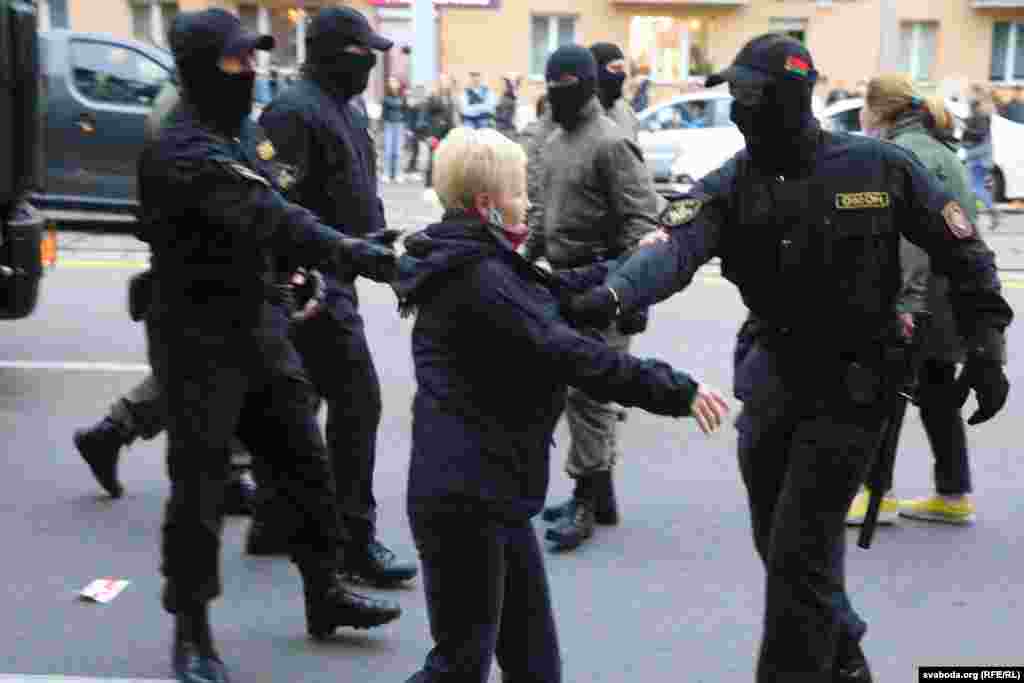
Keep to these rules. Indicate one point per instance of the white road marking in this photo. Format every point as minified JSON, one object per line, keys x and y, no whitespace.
{"x":84,"y":366}
{"x":16,"y":678}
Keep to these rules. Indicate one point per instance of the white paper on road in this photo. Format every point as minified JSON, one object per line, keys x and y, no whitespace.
{"x":103,"y":590}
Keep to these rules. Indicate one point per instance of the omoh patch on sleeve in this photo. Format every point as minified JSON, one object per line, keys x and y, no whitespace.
{"x":680,"y":212}
{"x":957,"y":221}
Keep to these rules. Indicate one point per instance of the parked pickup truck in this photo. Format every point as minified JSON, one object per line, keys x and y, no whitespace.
{"x":99,"y":90}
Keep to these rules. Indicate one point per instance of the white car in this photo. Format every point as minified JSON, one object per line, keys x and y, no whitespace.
{"x":689,"y":136}
{"x":1007,"y":142}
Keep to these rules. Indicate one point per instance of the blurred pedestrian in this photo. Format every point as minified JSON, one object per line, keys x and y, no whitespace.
{"x":1015,"y":107}
{"x":393,"y":115}
{"x":482,"y":427}
{"x":894,"y":111}
{"x":417,"y":122}
{"x":478,"y":104}
{"x":641,"y":92}
{"x":598,"y":202}
{"x":507,"y":109}
{"x":977,"y":142}
{"x":442,"y":113}
{"x":328,"y":161}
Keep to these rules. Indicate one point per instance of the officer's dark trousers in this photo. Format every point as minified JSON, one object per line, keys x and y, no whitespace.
{"x":216,"y":382}
{"x":335,"y":353}
{"x":487,"y":594}
{"x":802,"y":457}
{"x":944,"y":425}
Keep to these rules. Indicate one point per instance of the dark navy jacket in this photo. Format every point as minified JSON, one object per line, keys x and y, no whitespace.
{"x":816,"y":259}
{"x":493,"y":360}
{"x":215,"y":222}
{"x":328,"y":164}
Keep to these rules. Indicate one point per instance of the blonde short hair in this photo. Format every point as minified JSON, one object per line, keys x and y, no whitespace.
{"x":469,"y":162}
{"x":890,"y":96}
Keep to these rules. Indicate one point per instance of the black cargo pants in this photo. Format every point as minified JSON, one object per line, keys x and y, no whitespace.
{"x":337,"y":357}
{"x":803,"y":453}
{"x":218,"y":383}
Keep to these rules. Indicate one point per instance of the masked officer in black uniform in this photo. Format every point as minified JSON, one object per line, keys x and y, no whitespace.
{"x":219,"y":348}
{"x":807,"y":225}
{"x":329,"y":166}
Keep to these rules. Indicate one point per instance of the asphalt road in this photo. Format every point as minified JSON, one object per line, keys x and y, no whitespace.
{"x":674,"y":593}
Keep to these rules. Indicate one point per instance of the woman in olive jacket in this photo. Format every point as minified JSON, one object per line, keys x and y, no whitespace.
{"x":895,"y":112}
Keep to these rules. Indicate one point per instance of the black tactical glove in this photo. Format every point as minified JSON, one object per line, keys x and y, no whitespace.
{"x":990,"y":385}
{"x":386,"y":237}
{"x":369,"y":257}
{"x":595,"y":308}
{"x":634,"y":322}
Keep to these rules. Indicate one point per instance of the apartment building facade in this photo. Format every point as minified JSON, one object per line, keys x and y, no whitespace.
{"x":674,"y":41}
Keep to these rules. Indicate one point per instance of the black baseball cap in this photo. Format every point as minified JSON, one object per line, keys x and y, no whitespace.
{"x":213,"y":33}
{"x":765,"y":59}
{"x":346,"y":26}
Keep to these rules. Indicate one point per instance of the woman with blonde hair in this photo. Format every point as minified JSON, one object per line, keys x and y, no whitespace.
{"x":895,"y":112}
{"x":493,"y":359}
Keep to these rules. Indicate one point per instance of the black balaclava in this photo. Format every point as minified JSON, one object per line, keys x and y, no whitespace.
{"x":221,"y":100}
{"x":345,"y":74}
{"x":779,"y":129}
{"x":609,"y":85}
{"x":567,"y":101}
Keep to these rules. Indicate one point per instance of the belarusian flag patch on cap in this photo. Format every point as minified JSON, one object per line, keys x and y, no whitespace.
{"x":797,"y":66}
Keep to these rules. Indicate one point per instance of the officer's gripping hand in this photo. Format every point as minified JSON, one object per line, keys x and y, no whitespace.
{"x":386,"y":237}
{"x":369,"y":257}
{"x":988,"y":380}
{"x":596,"y":308}
{"x":708,"y":408}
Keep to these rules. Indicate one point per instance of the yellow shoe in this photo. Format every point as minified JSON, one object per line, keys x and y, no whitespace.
{"x":887,"y":513}
{"x":939,"y":509}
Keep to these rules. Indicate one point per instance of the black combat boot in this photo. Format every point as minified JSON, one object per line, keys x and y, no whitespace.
{"x":606,"y":510}
{"x":571,"y":532}
{"x":193,"y":655}
{"x":100,"y":446}
{"x":239,"y":492}
{"x":553,"y":513}
{"x":330,"y":605}
{"x":851,"y":665}
{"x":373,"y":563}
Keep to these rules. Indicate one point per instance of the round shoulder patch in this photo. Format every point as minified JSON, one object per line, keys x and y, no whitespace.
{"x":266,"y":150}
{"x":957,"y":221}
{"x":680,"y":211}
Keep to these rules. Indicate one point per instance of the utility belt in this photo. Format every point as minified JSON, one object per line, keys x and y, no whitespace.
{"x":868,"y":371}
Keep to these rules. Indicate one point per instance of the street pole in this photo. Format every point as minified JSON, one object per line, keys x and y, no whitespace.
{"x":889,"y":48}
{"x":424,"y":43}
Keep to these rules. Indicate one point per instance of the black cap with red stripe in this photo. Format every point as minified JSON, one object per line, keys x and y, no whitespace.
{"x":765,"y":59}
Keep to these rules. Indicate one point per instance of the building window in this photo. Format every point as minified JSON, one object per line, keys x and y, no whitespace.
{"x":151,"y":19}
{"x":288,"y":26}
{"x":917,"y":49}
{"x":668,"y":50}
{"x":58,"y":13}
{"x":547,"y":34}
{"x":1007,"y":52}
{"x":794,"y":28}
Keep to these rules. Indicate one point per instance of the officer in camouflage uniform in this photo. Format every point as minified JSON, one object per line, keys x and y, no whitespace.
{"x":598,"y":201}
{"x":808,"y":221}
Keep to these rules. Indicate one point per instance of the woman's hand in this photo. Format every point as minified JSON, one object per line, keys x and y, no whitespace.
{"x":708,"y":408}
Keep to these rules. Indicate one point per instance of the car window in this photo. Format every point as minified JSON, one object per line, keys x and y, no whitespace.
{"x":721,"y":108}
{"x":845,"y":122}
{"x":113,"y":74}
